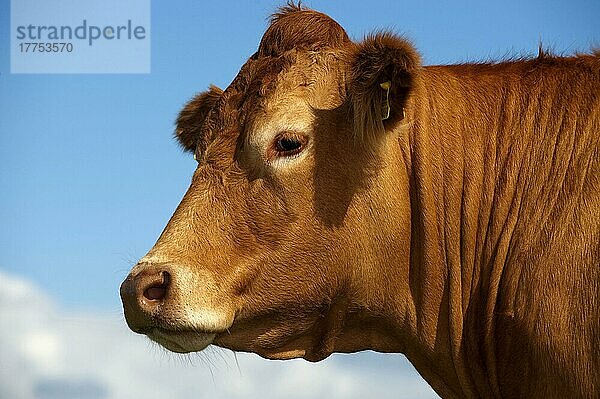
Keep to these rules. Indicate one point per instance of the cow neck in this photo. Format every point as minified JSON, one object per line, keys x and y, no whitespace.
{"x":459,"y":234}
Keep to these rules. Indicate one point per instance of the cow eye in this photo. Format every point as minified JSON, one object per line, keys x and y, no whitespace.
{"x":288,"y":144}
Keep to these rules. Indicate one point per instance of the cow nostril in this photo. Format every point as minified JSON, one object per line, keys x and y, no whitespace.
{"x":155,"y":293}
{"x":158,"y":290}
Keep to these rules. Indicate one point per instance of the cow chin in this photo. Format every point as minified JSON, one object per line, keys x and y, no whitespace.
{"x":181,"y":341}
{"x":188,"y":331}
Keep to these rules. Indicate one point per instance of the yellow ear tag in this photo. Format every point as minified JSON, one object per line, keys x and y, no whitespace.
{"x":386,"y":107}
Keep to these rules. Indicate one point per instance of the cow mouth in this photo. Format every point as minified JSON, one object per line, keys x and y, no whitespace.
{"x":181,"y":341}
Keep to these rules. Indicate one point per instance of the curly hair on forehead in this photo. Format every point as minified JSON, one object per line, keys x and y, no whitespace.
{"x":294,"y":26}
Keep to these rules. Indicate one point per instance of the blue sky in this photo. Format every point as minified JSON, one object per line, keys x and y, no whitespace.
{"x":89,"y":173}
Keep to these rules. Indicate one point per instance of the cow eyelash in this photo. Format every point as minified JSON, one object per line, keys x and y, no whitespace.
{"x":287,"y":144}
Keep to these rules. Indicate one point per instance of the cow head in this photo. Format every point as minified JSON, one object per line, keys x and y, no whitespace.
{"x":298,"y":200}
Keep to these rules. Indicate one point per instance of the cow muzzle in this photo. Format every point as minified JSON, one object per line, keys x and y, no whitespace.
{"x":153,"y":305}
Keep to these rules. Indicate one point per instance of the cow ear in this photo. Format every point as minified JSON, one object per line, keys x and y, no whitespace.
{"x":192,"y":117}
{"x":382,"y":73}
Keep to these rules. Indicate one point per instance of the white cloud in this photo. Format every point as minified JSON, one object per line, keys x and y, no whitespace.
{"x":48,"y":353}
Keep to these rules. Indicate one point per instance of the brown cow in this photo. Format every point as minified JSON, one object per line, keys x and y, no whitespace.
{"x":348,"y":198}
